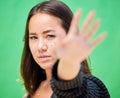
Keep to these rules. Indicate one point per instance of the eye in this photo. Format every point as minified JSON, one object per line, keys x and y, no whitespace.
{"x":50,"y":36}
{"x":33,"y":37}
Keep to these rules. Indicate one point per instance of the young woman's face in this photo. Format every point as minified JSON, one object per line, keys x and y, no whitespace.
{"x":45,"y":32}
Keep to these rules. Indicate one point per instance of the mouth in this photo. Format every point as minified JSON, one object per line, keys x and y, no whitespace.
{"x":44,"y":58}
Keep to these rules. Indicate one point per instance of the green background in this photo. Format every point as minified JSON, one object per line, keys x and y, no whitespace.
{"x":105,"y":59}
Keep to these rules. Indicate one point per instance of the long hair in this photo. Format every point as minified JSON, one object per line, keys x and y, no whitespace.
{"x":31,"y":72}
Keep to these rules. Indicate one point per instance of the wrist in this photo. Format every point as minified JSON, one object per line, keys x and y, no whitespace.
{"x":68,"y":69}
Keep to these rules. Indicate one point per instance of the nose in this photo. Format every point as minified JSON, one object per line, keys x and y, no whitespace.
{"x":42,"y":45}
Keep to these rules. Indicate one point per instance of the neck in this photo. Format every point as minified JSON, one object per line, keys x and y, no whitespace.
{"x":48,"y":75}
{"x":45,"y":87}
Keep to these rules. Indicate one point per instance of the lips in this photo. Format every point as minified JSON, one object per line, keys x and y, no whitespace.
{"x":44,"y":58}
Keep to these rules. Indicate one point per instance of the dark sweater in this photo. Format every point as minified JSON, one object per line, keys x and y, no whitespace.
{"x":82,"y":86}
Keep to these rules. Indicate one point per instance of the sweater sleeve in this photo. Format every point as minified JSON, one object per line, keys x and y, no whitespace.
{"x":82,"y":86}
{"x":94,"y":88}
{"x":64,"y":88}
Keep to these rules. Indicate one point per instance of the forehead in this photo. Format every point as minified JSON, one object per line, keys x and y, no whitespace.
{"x":43,"y":20}
{"x":43,"y":23}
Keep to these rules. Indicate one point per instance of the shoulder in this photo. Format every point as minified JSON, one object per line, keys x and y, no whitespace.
{"x":94,"y":87}
{"x":93,"y":81}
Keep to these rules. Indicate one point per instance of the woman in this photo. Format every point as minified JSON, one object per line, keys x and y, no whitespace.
{"x":54,"y":61}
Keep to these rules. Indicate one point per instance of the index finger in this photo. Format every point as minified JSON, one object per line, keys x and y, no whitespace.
{"x":74,"y":29}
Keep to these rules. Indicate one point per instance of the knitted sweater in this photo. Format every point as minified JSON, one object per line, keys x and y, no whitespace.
{"x":82,"y":86}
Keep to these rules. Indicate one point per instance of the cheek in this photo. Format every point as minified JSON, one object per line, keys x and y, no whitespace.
{"x":52,"y":47}
{"x":32,"y":48}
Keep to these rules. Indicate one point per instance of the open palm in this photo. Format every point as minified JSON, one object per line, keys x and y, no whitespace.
{"x":77,"y":45}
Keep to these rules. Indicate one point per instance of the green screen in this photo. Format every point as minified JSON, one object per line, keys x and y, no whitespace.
{"x":104,"y":59}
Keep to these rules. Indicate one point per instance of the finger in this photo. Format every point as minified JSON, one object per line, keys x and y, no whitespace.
{"x":93,"y":30}
{"x":75,"y":22}
{"x":98,"y":40}
{"x":87,"y":22}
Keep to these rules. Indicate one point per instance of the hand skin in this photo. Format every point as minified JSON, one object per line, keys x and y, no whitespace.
{"x":77,"y":45}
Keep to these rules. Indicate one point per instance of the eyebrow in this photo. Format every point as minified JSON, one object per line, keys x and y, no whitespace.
{"x":44,"y":32}
{"x":47,"y":31}
{"x":32,"y":33}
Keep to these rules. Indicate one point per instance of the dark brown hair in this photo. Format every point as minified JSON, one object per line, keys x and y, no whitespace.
{"x":31,"y":72}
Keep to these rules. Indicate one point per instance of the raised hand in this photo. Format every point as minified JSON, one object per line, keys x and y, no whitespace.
{"x":77,"y":45}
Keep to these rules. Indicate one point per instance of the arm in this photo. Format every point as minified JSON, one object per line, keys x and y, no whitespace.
{"x":65,"y":88}
{"x":82,"y":86}
{"x":71,"y":51}
{"x":77,"y":46}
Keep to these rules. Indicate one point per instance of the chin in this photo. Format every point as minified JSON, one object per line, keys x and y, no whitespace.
{"x":47,"y":65}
